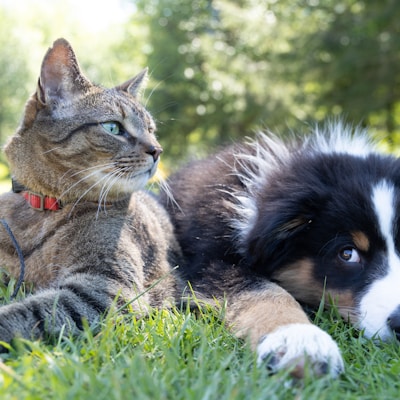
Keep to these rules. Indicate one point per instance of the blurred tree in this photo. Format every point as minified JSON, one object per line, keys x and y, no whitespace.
{"x":177,"y":67}
{"x":351,"y":62}
{"x":223,"y":68}
{"x":13,"y":73}
{"x":210,"y":66}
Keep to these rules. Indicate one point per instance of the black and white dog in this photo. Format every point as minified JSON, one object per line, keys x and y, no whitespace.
{"x":271,"y":223}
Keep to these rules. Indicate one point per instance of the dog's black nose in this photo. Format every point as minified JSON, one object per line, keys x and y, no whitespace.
{"x":394,"y":322}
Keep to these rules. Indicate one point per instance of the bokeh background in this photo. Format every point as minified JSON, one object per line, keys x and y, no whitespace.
{"x":219,"y":69}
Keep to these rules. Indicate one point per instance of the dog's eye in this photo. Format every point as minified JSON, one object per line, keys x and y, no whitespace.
{"x":350,"y":255}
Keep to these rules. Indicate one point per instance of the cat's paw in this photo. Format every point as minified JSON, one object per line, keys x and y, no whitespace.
{"x":298,"y":347}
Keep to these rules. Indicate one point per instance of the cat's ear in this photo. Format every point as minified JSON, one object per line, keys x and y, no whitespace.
{"x":135,"y":85}
{"x":60,"y":75}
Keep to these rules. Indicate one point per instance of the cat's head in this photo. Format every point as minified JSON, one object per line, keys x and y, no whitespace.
{"x":78,"y":140}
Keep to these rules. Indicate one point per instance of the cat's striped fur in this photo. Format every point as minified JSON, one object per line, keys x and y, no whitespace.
{"x":88,"y":147}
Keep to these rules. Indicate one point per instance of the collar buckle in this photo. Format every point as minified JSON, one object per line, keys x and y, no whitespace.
{"x":35,"y":200}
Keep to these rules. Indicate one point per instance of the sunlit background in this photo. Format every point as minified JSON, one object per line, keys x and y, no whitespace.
{"x":219,"y":69}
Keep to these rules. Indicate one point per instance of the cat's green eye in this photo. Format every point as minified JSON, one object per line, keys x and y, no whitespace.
{"x":114,"y":128}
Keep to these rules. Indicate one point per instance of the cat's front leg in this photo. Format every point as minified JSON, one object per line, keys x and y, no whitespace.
{"x":47,"y":312}
{"x":63,"y":309}
{"x":281,"y":333}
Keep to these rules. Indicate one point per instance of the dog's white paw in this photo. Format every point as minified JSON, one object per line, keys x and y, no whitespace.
{"x":298,"y":347}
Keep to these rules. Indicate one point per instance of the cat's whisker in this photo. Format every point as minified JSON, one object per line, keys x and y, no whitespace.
{"x":116,"y":176}
{"x":87,"y":191}
{"x":97,"y":169}
{"x":100,"y":167}
{"x":165,"y":107}
{"x":120,"y":174}
{"x":103,"y":190}
{"x":152,"y":91}
{"x":81,"y":180}
{"x":65,"y":174}
{"x":168,"y":191}
{"x":102,"y":203}
{"x":164,"y":186}
{"x":53,"y":149}
{"x":112,"y":177}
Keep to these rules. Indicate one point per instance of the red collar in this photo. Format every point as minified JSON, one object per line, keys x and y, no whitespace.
{"x":36,"y":200}
{"x":40,"y":202}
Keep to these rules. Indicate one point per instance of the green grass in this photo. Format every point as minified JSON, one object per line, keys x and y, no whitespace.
{"x":179,"y":355}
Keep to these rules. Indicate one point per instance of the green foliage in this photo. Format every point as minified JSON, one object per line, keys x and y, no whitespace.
{"x":350,"y":63}
{"x":221,"y":69}
{"x":13,"y":69}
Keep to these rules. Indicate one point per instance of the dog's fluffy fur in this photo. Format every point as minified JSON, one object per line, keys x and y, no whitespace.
{"x":269,"y":223}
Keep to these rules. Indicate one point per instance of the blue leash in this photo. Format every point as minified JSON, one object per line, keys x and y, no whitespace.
{"x":20,"y":256}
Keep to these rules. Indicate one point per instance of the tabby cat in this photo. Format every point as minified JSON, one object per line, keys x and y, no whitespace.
{"x":87,"y":234}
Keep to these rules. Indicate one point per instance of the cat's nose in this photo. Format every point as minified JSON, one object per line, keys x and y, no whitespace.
{"x":154,"y":152}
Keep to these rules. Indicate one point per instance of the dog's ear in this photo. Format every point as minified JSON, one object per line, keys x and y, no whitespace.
{"x":269,"y":245}
{"x":282,"y":223}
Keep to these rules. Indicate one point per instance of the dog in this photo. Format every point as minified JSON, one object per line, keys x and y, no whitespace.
{"x":271,"y":223}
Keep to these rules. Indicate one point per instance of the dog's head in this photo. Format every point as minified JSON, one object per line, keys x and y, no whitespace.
{"x":330,"y":224}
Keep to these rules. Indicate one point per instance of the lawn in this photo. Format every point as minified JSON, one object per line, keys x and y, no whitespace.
{"x":179,"y":355}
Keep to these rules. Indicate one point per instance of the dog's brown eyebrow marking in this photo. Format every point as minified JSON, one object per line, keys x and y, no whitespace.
{"x":295,"y":223}
{"x":361,"y":240}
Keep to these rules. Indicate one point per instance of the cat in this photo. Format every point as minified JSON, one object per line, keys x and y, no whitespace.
{"x":87,"y":233}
